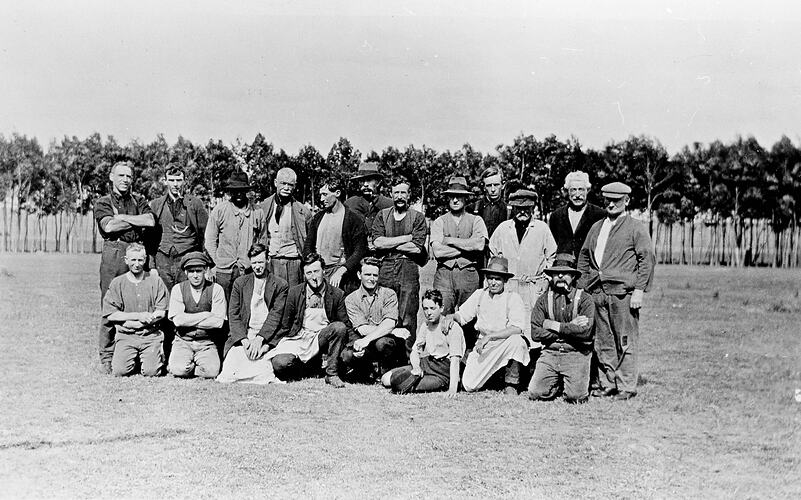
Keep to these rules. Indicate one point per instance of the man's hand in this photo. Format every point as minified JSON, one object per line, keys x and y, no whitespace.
{"x":580,"y":321}
{"x":337,"y":276}
{"x":254,"y":349}
{"x":481,"y":343}
{"x":211,"y":273}
{"x":636,"y":299}
{"x":360,"y":345}
{"x":417,"y":371}
{"x":146,"y":317}
{"x":154,"y":273}
{"x":450,"y":394}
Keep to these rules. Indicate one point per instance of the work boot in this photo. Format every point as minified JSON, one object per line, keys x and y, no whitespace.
{"x":334,"y":381}
{"x":510,"y":391}
{"x":624,"y":395}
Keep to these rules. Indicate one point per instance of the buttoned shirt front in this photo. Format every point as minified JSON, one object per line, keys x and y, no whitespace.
{"x":529,"y":256}
{"x":365,"y":308}
{"x":230,"y":233}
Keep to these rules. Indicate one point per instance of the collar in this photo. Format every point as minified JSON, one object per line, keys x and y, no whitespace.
{"x":241,"y":211}
{"x":569,"y":296}
{"x":364,"y":293}
{"x":179,"y":199}
{"x":321,"y":293}
{"x":120,"y":196}
{"x":571,"y":209}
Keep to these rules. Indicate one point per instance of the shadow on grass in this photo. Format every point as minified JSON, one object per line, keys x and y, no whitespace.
{"x":33,"y":445}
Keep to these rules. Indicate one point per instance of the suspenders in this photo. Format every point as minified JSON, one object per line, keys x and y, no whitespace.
{"x":575,"y":304}
{"x":484,"y":293}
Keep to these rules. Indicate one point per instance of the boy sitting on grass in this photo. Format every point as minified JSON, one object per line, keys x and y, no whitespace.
{"x":436,"y":354}
{"x":135,"y":304}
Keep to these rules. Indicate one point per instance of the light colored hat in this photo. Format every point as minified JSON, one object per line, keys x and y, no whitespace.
{"x":615,"y":190}
{"x":458,"y":185}
{"x":367,"y":170}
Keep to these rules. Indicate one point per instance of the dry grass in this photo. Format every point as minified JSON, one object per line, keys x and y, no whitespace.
{"x":715,"y":416}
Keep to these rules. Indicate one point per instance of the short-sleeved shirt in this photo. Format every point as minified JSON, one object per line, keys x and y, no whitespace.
{"x":116,"y":203}
{"x":177,"y":306}
{"x":365,"y":309}
{"x":434,"y":343}
{"x":147,"y":295}
{"x":493,"y":312}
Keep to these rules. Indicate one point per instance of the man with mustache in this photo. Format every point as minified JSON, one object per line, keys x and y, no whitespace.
{"x":528,"y":245}
{"x":286,"y":227}
{"x":617,"y":268}
{"x":562,"y":322}
{"x":122,"y":218}
{"x":338,"y":234}
{"x":399,"y":237}
{"x":370,"y":201}
{"x":571,"y":223}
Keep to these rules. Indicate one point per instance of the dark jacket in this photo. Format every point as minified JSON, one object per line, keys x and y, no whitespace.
{"x":300,"y":219}
{"x":492,"y":212}
{"x":354,"y":239}
{"x":566,"y":240}
{"x":196,"y":213}
{"x":333,"y":303}
{"x":570,"y":336}
{"x":275,"y":294}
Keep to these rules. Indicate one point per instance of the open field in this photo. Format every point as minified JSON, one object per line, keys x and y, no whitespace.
{"x":716,"y":414}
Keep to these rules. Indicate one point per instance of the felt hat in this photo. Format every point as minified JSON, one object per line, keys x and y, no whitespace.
{"x":238,"y":181}
{"x":523,"y":198}
{"x":563,"y":263}
{"x":458,"y":185}
{"x":615,"y":190}
{"x":195,"y":259}
{"x":498,"y":266}
{"x":366,"y":171}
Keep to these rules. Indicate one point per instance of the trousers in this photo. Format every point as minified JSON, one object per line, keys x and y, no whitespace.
{"x":456,"y":286}
{"x":403,"y":277}
{"x":616,"y":340}
{"x":287,"y":269}
{"x":143,"y":351}
{"x":385,"y":350}
{"x":331,"y":340}
{"x":194,"y":357}
{"x":569,"y":368}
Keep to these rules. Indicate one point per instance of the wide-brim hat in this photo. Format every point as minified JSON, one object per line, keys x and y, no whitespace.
{"x":615,"y":190}
{"x":238,"y":181}
{"x":367,"y":170}
{"x":564,"y":263}
{"x":458,"y":186}
{"x":195,"y":259}
{"x":499,"y":266}
{"x":523,"y":198}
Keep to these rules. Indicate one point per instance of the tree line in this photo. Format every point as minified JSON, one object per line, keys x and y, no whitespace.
{"x":743,"y":193}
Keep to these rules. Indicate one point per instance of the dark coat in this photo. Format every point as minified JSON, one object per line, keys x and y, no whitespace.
{"x":333,"y":303}
{"x":566,"y":241}
{"x":354,"y":240}
{"x":196,"y":213}
{"x":275,"y":294}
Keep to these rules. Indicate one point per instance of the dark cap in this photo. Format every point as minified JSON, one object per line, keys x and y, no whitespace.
{"x":523,"y":198}
{"x":195,"y":259}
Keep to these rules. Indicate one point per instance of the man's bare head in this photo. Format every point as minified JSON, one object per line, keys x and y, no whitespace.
{"x":285,"y":181}
{"x":121,"y":176}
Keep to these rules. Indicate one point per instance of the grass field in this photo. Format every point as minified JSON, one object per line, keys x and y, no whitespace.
{"x":715,"y":417}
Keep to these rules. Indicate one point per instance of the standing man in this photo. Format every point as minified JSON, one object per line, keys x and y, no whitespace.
{"x":373,"y":312}
{"x":315,"y":319}
{"x":617,"y":266}
{"x":562,"y":321}
{"x":499,"y":322}
{"x":122,"y":218}
{"x":257,"y":305}
{"x":234,"y":225}
{"x":338,"y":234}
{"x":286,"y":227}
{"x":135,"y":304}
{"x":370,"y":201}
{"x":571,"y":223}
{"x":399,"y":237}
{"x":457,"y":242}
{"x":491,"y":207}
{"x":198,"y":311}
{"x":180,"y":226}
{"x":527,"y":243}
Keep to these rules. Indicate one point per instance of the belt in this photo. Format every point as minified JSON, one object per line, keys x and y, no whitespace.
{"x":285,"y":258}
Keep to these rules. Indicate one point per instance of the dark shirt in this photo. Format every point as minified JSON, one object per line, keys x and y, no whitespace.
{"x":368,"y":209}
{"x":569,"y":337}
{"x":128,"y":204}
{"x":493,"y":212}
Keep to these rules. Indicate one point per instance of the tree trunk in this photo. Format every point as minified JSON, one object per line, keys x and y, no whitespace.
{"x":5,"y":225}
{"x":94,"y":235}
{"x":25,"y":245}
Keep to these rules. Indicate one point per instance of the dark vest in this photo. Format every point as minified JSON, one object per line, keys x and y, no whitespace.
{"x":191,"y":332}
{"x":177,"y":234}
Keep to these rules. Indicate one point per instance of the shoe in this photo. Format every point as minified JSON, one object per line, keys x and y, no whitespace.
{"x":104,"y":367}
{"x":603,"y":393}
{"x":623,"y":396}
{"x":510,"y":391}
{"x":334,"y":381}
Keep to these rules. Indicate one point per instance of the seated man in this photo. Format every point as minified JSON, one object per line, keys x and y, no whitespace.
{"x":135,"y":304}
{"x":499,"y":323}
{"x":562,"y":321}
{"x":257,"y":304}
{"x":314,"y":320}
{"x":373,"y":312}
{"x":197,"y":309}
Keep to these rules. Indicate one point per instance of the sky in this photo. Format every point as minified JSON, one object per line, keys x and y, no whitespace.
{"x":396,"y":73}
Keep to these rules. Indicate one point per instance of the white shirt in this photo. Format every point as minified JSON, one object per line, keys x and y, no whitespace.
{"x":603,"y":237}
{"x":575,"y":217}
{"x":529,"y":256}
{"x":494,"y":312}
{"x":258,"y":308}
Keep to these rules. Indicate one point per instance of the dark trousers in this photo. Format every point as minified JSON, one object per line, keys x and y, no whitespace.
{"x":568,"y":368}
{"x":287,"y":269}
{"x":169,"y":267}
{"x":616,"y":340}
{"x":403,"y":277}
{"x":456,"y":286}
{"x":225,"y":278}
{"x":331,"y":340}
{"x":386,"y":350}
{"x":436,"y":375}
{"x":112,"y":264}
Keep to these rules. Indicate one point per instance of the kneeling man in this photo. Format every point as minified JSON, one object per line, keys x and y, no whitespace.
{"x":257,"y":305}
{"x":197,"y":309}
{"x":373,"y":312}
{"x":135,"y":303}
{"x":562,"y":320}
{"x":500,"y":324}
{"x":315,"y":319}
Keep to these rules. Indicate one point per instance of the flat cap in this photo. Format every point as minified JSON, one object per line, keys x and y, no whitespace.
{"x":523,"y":198}
{"x":615,"y":190}
{"x":195,"y":259}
